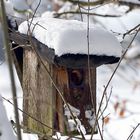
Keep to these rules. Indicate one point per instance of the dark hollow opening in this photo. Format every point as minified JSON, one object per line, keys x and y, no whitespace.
{"x":76,"y":77}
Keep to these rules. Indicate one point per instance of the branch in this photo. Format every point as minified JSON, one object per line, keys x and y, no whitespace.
{"x":129,"y":3}
{"x":131,"y":30}
{"x":131,"y":134}
{"x":83,"y":3}
{"x":56,"y":15}
{"x":100,"y":2}
{"x":11,"y":71}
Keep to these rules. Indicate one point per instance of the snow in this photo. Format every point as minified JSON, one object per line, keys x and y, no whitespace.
{"x":25,"y":7}
{"x":19,"y":5}
{"x":134,"y":51}
{"x":75,"y":111}
{"x":123,"y":84}
{"x":70,"y":36}
{"x":120,"y":24}
{"x":6,"y":131}
{"x":9,"y":7}
{"x":89,"y":114}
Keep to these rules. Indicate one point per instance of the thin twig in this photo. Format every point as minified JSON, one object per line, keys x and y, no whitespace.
{"x":107,"y":101}
{"x":100,"y":2}
{"x":89,"y":71}
{"x":11,"y":71}
{"x":80,"y":12}
{"x":35,"y":13}
{"x":131,"y":134}
{"x":84,"y":3}
{"x":28,"y":114}
{"x":128,"y":32}
{"x":84,"y":13}
{"x":100,"y":132}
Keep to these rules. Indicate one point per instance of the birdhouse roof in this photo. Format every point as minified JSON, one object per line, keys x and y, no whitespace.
{"x":68,"y":39}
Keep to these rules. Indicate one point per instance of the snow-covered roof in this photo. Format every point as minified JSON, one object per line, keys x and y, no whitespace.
{"x":70,"y":37}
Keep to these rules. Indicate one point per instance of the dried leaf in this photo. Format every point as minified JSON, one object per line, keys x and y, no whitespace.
{"x":122,"y":112}
{"x":106,"y":120}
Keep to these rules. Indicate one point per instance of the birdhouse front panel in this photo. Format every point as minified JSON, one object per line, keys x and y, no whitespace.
{"x":80,"y":97}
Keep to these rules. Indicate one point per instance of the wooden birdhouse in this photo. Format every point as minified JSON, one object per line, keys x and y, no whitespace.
{"x":59,"y":75}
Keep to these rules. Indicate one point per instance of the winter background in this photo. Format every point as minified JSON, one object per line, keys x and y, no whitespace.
{"x":123,"y":113}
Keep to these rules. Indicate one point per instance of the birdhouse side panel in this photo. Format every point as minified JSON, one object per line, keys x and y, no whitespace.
{"x":37,"y":97}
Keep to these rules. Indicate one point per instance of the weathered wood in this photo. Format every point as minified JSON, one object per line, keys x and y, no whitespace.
{"x":62,"y":81}
{"x":76,"y":91}
{"x":38,"y":95}
{"x":80,"y":95}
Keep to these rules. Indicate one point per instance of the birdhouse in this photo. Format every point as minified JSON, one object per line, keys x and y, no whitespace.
{"x":59,"y":73}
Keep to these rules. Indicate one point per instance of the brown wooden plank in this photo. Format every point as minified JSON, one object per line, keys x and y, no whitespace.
{"x":62,"y":82}
{"x":38,"y":96}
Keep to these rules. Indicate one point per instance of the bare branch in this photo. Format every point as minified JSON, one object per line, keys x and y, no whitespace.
{"x":131,"y":134}
{"x":84,"y":13}
{"x":100,"y":2}
{"x":83,"y":3}
{"x":9,"y":60}
{"x":131,"y":30}
{"x":129,"y":3}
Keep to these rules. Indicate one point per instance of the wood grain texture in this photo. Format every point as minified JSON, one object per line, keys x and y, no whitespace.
{"x":38,"y":95}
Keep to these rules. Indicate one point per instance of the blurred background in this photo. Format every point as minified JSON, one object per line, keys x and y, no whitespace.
{"x":122,"y":114}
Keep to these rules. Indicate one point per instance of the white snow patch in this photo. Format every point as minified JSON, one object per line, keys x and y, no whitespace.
{"x":70,"y":36}
{"x":9,"y":7}
{"x":121,"y":24}
{"x":133,"y":52}
{"x":19,"y":5}
{"x":75,"y":111}
{"x":6,"y":132}
{"x":89,"y":114}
